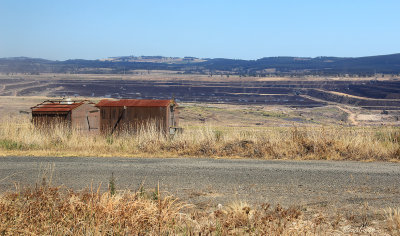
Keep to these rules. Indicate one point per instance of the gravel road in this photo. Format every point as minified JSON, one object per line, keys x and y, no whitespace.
{"x":211,"y":181}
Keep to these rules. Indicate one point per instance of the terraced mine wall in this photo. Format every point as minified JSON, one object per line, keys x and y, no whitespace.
{"x":371,"y":94}
{"x":369,"y":103}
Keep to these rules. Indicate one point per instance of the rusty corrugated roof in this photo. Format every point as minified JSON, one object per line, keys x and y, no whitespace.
{"x":134,"y":103}
{"x":50,"y":106}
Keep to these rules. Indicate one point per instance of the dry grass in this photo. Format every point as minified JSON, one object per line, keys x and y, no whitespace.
{"x":20,"y":137}
{"x":393,"y":220}
{"x":46,"y":210}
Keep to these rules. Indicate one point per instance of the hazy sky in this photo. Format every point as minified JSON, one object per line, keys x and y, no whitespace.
{"x":70,"y":29}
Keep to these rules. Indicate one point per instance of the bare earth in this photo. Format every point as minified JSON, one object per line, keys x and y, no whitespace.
{"x":221,"y":101}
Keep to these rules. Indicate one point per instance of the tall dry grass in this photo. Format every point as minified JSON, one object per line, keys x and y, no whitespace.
{"x":393,"y":220}
{"x":47,"y":210}
{"x":18,"y":136}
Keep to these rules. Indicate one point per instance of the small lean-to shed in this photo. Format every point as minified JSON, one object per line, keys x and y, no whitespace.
{"x":78,"y":115}
{"x":133,"y":114}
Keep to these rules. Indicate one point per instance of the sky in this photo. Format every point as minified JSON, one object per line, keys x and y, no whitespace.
{"x":252,"y":29}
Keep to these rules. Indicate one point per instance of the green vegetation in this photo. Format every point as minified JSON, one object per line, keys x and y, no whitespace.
{"x":10,"y":145}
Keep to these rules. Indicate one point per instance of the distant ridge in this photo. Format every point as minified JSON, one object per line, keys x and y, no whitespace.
{"x":361,"y":66}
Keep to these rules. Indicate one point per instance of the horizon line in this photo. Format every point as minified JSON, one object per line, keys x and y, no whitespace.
{"x":111,"y":57}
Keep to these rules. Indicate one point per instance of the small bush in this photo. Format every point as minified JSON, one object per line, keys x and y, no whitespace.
{"x":10,"y":145}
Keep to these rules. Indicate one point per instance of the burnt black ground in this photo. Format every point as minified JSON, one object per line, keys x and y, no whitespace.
{"x":289,"y":92}
{"x":208,"y":182}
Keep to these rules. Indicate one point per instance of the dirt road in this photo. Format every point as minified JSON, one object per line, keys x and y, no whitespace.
{"x":352,"y":116}
{"x":210,"y":181}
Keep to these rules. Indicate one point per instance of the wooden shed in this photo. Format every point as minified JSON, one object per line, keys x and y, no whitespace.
{"x":133,"y":114}
{"x":78,"y":115}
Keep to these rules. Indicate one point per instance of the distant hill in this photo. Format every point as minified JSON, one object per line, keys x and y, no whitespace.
{"x":361,"y":66}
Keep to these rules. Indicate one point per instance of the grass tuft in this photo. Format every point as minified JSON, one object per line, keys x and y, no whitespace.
{"x":393,"y":220}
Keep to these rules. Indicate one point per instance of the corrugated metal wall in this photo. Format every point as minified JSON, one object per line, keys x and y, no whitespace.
{"x":85,"y":118}
{"x":134,"y":118}
{"x":51,"y":119}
